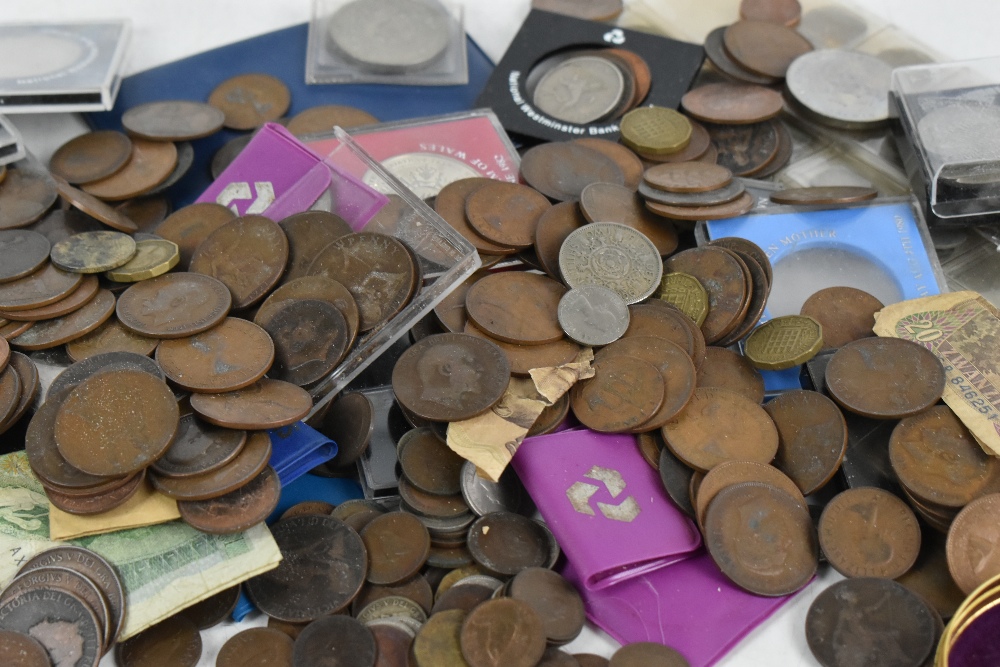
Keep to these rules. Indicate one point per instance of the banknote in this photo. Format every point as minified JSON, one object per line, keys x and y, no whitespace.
{"x":164,"y":568}
{"x":963,"y":330}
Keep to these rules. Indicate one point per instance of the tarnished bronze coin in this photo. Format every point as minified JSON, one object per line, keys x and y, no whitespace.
{"x":847,"y":624}
{"x":308,"y":508}
{"x":146,"y":212}
{"x":732,"y":103}
{"x":199,"y":448}
{"x":721,"y":274}
{"x":629,"y":163}
{"x":41,"y":288}
{"x":624,"y":394}
{"x":100,"y":430}
{"x":553,"y":227}
{"x":824,"y":196}
{"x":505,"y":213}
{"x":716,"y":53}
{"x":150,"y":164}
{"x":256,"y":646}
{"x":237,"y":510}
{"x":873,"y":377}
{"x":468,"y":593}
{"x":764,"y":48}
{"x":378,"y":270}
{"x":109,"y":337}
{"x":325,"y":117}
{"x":98,"y":503}
{"x":736,"y":472}
{"x":174,"y":305}
{"x":745,"y":150}
{"x":929,"y":577}
{"x":310,"y":338}
{"x":438,"y":644}
{"x":812,"y":437}
{"x":397,"y":545}
{"x":74,"y":301}
{"x":21,"y":650}
{"x":27,"y":374}
{"x":250,"y":100}
{"x":349,"y":422}
{"x":687,"y":177}
{"x":726,"y":369}
{"x":173,"y":641}
{"x":506,"y":543}
{"x":974,"y":543}
{"x":561,"y":170}
{"x":783,"y":12}
{"x":523,"y":358}
{"x":450,"y":205}
{"x":62,"y":622}
{"x":266,"y":404}
{"x":50,"y":333}
{"x":555,"y":600}
{"x":430,"y":505}
{"x":95,"y":208}
{"x":22,"y":252}
{"x":25,"y":195}
{"x":517,"y":307}
{"x":10,"y":392}
{"x":662,"y":321}
{"x":647,"y":653}
{"x":247,"y":254}
{"x":450,"y":377}
{"x":313,"y":287}
{"x":229,"y":356}
{"x":761,"y":538}
{"x":846,"y":314}
{"x":189,"y":226}
{"x":428,"y":463}
{"x":11,"y":330}
{"x":505,"y":632}
{"x":869,"y":532}
{"x":60,"y":223}
{"x":81,"y":370}
{"x":608,"y":202}
{"x":308,"y":234}
{"x":323,"y":567}
{"x":719,"y":425}
{"x":172,"y":120}
{"x":731,"y":209}
{"x":249,"y":462}
{"x":450,"y":313}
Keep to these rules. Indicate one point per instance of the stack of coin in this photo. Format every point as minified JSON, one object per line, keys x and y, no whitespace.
{"x":67,"y":588}
{"x":590,"y":10}
{"x":843,"y":89}
{"x":19,"y":386}
{"x":694,"y":191}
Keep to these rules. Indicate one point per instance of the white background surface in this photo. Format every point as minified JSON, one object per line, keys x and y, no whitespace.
{"x":167,"y":30}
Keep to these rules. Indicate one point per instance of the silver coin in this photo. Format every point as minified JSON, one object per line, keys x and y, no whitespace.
{"x":722,"y":195}
{"x":392,"y":606}
{"x":580,"y":90}
{"x":484,"y":580}
{"x":423,"y":173}
{"x":593,"y":315}
{"x":391,"y":35}
{"x":484,"y":496}
{"x":845,"y":88}
{"x":832,"y":27}
{"x":407,"y":626}
{"x":961,"y":132}
{"x":613,"y":255}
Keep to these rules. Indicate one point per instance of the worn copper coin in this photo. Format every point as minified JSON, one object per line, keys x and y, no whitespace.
{"x":761,"y":538}
{"x":869,"y":532}
{"x":247,"y":254}
{"x":426,"y":504}
{"x":506,"y":543}
{"x":45,"y":286}
{"x":50,"y":333}
{"x":237,"y":510}
{"x":256,"y":646}
{"x":505,"y":213}
{"x":323,"y":567}
{"x":174,"y":305}
{"x":397,"y":545}
{"x":764,"y":48}
{"x":726,"y":369}
{"x":429,"y":464}
{"x":325,"y":117}
{"x":812,"y":437}
{"x":438,"y":642}
{"x":523,"y":358}
{"x":100,"y":502}
{"x":555,"y":600}
{"x":307,"y":508}
{"x":828,"y":195}
{"x":719,"y":425}
{"x":111,"y":336}
{"x":250,"y":100}
{"x":687,"y":177}
{"x":60,"y":223}
{"x":10,"y":393}
{"x":22,"y":252}
{"x":450,"y":205}
{"x":95,"y":208}
{"x":724,"y":195}
{"x":466,"y":595}
{"x":589,"y":10}
{"x":76,"y":300}
{"x":873,"y":377}
{"x":266,"y":404}
{"x":504,"y":632}
{"x":848,"y":624}
{"x":722,"y":276}
{"x":21,"y":650}
{"x":736,"y":472}
{"x":249,"y":462}
{"x":313,"y":287}
{"x":62,"y":622}
{"x":517,"y":307}
{"x":173,"y":641}
{"x":647,"y":653}
{"x":199,"y":448}
{"x":624,"y":394}
{"x":450,"y":313}
{"x":846,"y":314}
{"x":929,"y":577}
{"x":662,"y":321}
{"x":561,"y":170}
{"x":99,"y":429}
{"x":146,"y":212}
{"x":189,"y":226}
{"x":172,"y":120}
{"x":350,"y":423}
{"x":308,"y":234}
{"x":11,"y":330}
{"x":25,"y":195}
{"x":310,"y":338}
{"x":212,"y":611}
{"x":715,"y":50}
{"x":732,"y":103}
{"x":745,"y":149}
{"x":106,"y":361}
{"x":27,"y":374}
{"x":629,"y":163}
{"x":736,"y":207}
{"x":608,"y":202}
{"x":151,"y":164}
{"x":231,"y":355}
{"x":974,"y":544}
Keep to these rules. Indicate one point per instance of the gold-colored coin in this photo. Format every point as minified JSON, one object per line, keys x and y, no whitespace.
{"x":153,"y":257}
{"x":93,"y":252}
{"x":784,"y":342}
{"x":655,"y":130}
{"x":684,"y":291}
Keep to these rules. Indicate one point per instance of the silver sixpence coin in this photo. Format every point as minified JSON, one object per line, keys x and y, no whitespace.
{"x":613,"y":255}
{"x":593,"y":315}
{"x":391,"y":35}
{"x":424,"y":173}
{"x":843,"y":88}
{"x":484,"y":496}
{"x":580,"y":90}
{"x":961,"y":132}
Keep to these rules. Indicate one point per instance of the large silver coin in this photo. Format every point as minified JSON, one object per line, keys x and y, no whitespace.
{"x":424,"y":173}
{"x":593,"y":315}
{"x":391,"y":35}
{"x":842,"y":88}
{"x":580,"y":90}
{"x":613,"y":255}
{"x":961,"y":132}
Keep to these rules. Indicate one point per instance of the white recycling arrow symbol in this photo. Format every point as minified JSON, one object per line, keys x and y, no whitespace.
{"x":241,"y":190}
{"x":580,"y":493}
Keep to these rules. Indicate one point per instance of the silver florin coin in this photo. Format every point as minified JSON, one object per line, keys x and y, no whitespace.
{"x":423,"y":173}
{"x":593,"y":315}
{"x":391,"y":35}
{"x":613,"y":255}
{"x":580,"y":90}
{"x":484,"y":496}
{"x":843,"y":88}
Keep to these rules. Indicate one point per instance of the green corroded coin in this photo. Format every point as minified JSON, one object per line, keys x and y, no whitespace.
{"x":784,"y":342}
{"x":684,"y":291}
{"x":655,"y":130}
{"x":153,"y":257}
{"x":93,"y":252}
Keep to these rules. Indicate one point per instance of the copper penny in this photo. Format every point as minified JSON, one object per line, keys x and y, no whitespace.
{"x":555,"y":601}
{"x":357,"y":513}
{"x":189,"y":226}
{"x":41,"y":288}
{"x":313,"y":287}
{"x":398,"y":545}
{"x":172,"y":120}
{"x":308,"y":234}
{"x":523,"y":358}
{"x":229,"y":356}
{"x":174,"y":305}
{"x":21,"y":650}
{"x":25,"y":195}
{"x":743,"y":248}
{"x":27,"y":374}
{"x":467,"y":594}
{"x":846,"y":314}
{"x":561,"y":170}
{"x":450,"y":312}
{"x":151,"y":164}
{"x":247,"y":254}
{"x":732,"y":103}
{"x":719,"y":425}
{"x":782,"y":156}
{"x":109,"y":337}
{"x":783,"y":12}
{"x":77,"y":299}
{"x":687,"y":177}
{"x":764,"y":48}
{"x":676,"y":369}
{"x":553,"y":227}
{"x":11,"y":330}
{"x":761,"y":538}
{"x":639,"y":69}
{"x":237,"y":510}
{"x":22,"y":252}
{"x":760,"y":290}
{"x":824,"y":196}
{"x":98,"y":503}
{"x":174,"y":641}
{"x":697,"y":148}
{"x":745,"y":149}
{"x":393,"y":643}
{"x":95,"y":208}
{"x":349,"y":422}
{"x":59,"y":330}
{"x":647,"y":653}
{"x":266,"y":404}
{"x":873,"y":377}
{"x":292,"y":630}
{"x":256,"y":646}
{"x":438,"y":642}
{"x":91,"y":156}
{"x":607,"y":202}
{"x":429,"y":464}
{"x":378,"y":271}
{"x":307,"y":508}
{"x":100,"y":429}
{"x":81,"y":370}
{"x":726,"y":369}
{"x":937,"y":459}
{"x":869,"y":532}
{"x":737,"y":207}
{"x":715,"y":51}
{"x":10,"y":393}
{"x":60,"y":223}
{"x":146,"y":212}
{"x":310,"y":338}
{"x":974,"y":544}
{"x":624,"y":394}
{"x":736,"y":472}
{"x":450,"y":205}
{"x":505,"y":213}
{"x":506,"y":543}
{"x":929,"y":577}
{"x":503,"y":632}
{"x":722,"y":276}
{"x":627,"y":161}
{"x":250,"y":100}
{"x":517,"y":307}
{"x":249,"y":462}
{"x":324,"y":118}
{"x":812,"y":437}
{"x":199,"y":448}
{"x":661,"y":321}
{"x":429,"y":505}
